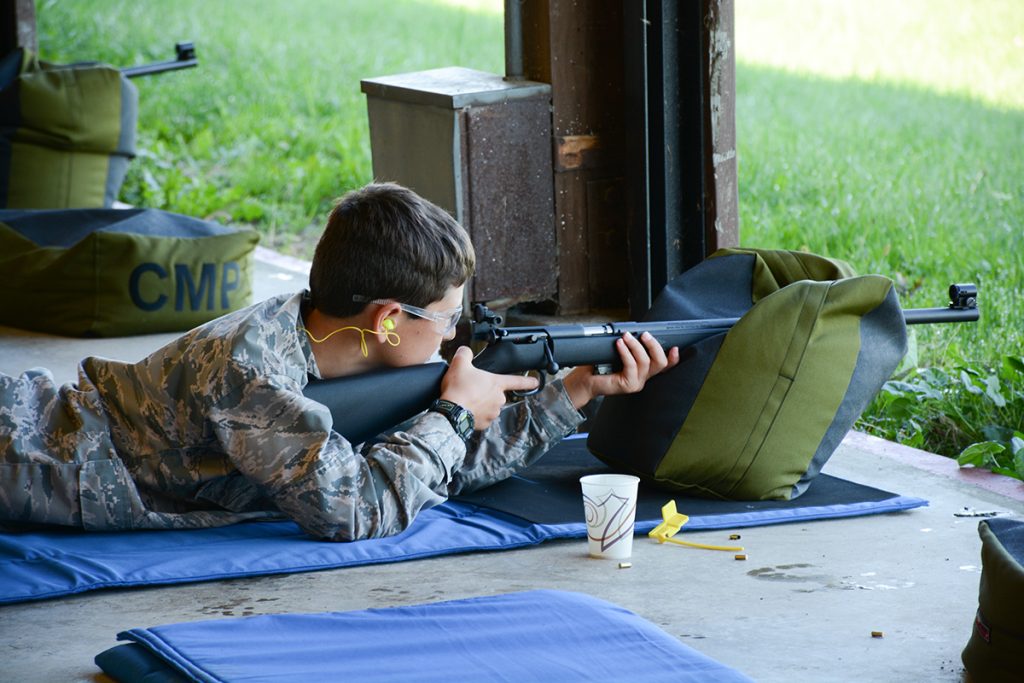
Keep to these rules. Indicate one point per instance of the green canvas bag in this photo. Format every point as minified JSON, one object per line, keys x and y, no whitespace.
{"x":114,"y":272}
{"x":754,"y":413}
{"x":67,"y":133}
{"x":994,"y":652}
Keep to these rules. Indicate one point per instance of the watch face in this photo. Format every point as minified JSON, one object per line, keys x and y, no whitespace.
{"x":465,"y":422}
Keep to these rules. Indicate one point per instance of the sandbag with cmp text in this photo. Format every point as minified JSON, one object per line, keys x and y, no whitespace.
{"x":110,"y":272}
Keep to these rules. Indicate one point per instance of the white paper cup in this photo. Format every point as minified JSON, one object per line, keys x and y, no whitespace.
{"x":609,"y":502}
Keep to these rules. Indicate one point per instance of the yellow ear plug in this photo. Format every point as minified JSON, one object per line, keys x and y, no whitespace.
{"x":672,"y":522}
{"x":388,"y":325}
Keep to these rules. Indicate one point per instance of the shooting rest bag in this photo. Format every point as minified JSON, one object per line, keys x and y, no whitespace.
{"x":67,"y":133}
{"x":754,"y":413}
{"x":993,"y":653}
{"x":113,"y":272}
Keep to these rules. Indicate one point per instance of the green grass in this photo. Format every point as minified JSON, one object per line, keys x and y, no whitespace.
{"x":888,"y":134}
{"x":924,"y":188}
{"x":943,"y":46}
{"x":272,"y":126}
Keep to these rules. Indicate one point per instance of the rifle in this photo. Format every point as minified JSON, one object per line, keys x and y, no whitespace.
{"x":363,"y":407}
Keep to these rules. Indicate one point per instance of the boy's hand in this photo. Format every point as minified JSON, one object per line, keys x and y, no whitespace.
{"x":478,"y":391}
{"x":640,"y":362}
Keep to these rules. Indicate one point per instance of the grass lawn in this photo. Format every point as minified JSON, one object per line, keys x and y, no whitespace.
{"x":271,"y":127}
{"x":890,"y":135}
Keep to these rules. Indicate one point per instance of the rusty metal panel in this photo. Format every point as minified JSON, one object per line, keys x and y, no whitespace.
{"x":418,"y":147}
{"x":510,"y":201}
{"x":480,"y":147}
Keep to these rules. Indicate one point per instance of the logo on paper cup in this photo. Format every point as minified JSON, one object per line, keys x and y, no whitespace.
{"x":609,"y":519}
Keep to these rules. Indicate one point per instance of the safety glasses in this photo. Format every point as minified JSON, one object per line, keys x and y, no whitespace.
{"x":444,"y":321}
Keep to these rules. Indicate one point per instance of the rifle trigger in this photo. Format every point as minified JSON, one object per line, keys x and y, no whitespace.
{"x":542,"y":380}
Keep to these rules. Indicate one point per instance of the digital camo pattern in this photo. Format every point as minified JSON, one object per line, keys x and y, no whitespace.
{"x":214,"y":429}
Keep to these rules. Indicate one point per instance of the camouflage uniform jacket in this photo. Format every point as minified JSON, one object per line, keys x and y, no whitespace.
{"x":214,"y":429}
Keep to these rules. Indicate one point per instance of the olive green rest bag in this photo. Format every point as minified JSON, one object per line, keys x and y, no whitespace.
{"x":67,"y":133}
{"x":754,"y":413}
{"x":995,"y":651}
{"x":115,"y":272}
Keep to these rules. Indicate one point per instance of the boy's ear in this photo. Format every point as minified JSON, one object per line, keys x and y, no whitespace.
{"x":385,"y":319}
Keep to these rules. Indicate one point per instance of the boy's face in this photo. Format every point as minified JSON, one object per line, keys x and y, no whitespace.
{"x":421,"y":338}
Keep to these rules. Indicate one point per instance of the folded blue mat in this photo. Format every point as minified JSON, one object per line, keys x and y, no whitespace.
{"x":36,"y":565}
{"x":541,"y":635}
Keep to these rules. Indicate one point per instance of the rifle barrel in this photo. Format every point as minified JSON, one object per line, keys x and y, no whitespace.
{"x":185,"y":58}
{"x":922,"y":316}
{"x":158,"y":67}
{"x":912,"y":316}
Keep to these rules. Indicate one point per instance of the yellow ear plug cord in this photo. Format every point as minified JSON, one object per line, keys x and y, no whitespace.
{"x":672,"y":521}
{"x":390,"y":336}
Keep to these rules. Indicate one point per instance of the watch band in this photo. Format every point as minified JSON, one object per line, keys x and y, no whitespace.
{"x":460,"y":418}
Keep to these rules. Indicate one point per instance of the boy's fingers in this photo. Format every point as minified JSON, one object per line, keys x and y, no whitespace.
{"x":628,"y":347}
{"x":463,"y":357}
{"x":517,"y":383}
{"x":654,"y":350}
{"x":641,"y":359}
{"x":671,"y":359}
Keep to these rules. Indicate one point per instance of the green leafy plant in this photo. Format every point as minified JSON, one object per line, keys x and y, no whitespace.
{"x":971,"y":412}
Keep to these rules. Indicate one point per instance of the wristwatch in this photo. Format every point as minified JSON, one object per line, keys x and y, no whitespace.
{"x":461,"y":419}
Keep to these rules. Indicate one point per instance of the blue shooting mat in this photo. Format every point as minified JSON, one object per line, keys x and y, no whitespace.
{"x":40,"y":564}
{"x":541,"y":635}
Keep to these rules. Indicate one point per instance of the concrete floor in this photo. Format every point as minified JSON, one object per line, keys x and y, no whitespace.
{"x":802,"y":607}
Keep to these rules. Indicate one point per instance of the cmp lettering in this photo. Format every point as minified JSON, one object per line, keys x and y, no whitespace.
{"x":192,"y":291}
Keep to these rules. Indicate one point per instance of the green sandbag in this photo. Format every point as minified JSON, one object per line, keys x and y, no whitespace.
{"x":67,"y":133}
{"x":754,"y":413}
{"x":995,"y":651}
{"x":112,"y":272}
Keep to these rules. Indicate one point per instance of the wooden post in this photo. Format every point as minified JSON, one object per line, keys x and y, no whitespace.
{"x":628,"y":78}
{"x":577,"y":47}
{"x":18,"y":18}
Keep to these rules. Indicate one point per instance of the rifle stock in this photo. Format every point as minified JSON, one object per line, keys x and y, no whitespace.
{"x":370,"y":403}
{"x":366,"y":405}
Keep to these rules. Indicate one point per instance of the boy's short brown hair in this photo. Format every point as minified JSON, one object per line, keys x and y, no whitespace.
{"x":384,"y":241}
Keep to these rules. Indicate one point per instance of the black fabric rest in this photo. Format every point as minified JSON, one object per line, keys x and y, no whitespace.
{"x":549,"y":492}
{"x":1010,"y":533}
